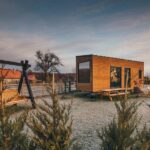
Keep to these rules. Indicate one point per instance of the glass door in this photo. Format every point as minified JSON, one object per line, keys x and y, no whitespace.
{"x":115,"y":77}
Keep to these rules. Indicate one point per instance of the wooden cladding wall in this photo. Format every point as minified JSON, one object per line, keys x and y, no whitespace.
{"x":100,"y":71}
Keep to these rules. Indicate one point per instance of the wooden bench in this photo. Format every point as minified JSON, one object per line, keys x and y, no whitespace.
{"x":114,"y":92}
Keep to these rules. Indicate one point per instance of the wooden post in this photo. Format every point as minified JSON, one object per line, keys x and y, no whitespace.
{"x":1,"y":94}
{"x":1,"y":86}
{"x":65,"y":87}
{"x":126,"y":89}
{"x":43,"y":86}
{"x":20,"y":83}
{"x":53,"y":83}
{"x":69,"y":86}
{"x":25,"y":66}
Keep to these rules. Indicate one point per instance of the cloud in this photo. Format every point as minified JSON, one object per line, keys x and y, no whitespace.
{"x":95,"y":6}
{"x":89,"y":30}
{"x":18,"y":46}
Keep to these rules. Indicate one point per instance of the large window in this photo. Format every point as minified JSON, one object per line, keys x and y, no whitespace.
{"x":127,"y":73}
{"x":140,"y":74}
{"x":84,"y":72}
{"x":115,"y":77}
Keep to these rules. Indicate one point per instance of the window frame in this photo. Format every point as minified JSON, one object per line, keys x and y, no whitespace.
{"x":140,"y":74}
{"x":89,"y":71}
{"x":120,"y":77}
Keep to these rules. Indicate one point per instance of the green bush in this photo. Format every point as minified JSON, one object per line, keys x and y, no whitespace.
{"x":12,"y":136}
{"x":143,"y":139}
{"x":51,"y":125}
{"x":119,"y":134}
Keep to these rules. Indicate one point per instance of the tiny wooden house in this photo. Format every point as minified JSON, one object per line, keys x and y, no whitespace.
{"x":95,"y":73}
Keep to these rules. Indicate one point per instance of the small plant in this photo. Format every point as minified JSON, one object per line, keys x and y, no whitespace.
{"x":11,"y":132}
{"x":143,"y":139}
{"x":51,"y":125}
{"x":12,"y":136}
{"x":76,"y":145}
{"x":119,"y":134}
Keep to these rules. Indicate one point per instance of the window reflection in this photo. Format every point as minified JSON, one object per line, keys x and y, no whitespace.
{"x":84,"y":72}
{"x":115,"y":77}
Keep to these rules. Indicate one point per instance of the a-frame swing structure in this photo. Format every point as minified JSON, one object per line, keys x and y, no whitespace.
{"x":25,"y":65}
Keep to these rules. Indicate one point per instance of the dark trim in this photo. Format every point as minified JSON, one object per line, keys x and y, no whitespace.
{"x":110,"y":57}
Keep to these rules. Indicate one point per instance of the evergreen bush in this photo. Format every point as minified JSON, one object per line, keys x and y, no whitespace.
{"x":51,"y":125}
{"x":119,"y":134}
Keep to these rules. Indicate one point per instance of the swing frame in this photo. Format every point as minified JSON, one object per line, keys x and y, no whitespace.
{"x":25,"y":66}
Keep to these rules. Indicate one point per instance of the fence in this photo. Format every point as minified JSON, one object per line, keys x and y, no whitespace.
{"x":40,"y":89}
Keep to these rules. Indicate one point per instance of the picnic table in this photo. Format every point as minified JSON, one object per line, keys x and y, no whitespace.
{"x":114,"y":92}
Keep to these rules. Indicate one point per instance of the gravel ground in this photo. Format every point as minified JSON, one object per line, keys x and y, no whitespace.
{"x":89,"y":116}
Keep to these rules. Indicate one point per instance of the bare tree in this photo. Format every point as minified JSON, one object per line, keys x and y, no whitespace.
{"x":47,"y":62}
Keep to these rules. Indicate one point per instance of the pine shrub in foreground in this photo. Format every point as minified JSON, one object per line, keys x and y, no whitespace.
{"x":51,"y":125}
{"x":143,"y":139}
{"x":120,"y":133}
{"x":12,"y":136}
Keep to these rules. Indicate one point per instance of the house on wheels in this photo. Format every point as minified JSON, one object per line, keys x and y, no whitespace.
{"x":95,"y":73}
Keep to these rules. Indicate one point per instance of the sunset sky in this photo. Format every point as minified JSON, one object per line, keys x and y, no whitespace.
{"x":118,"y":28}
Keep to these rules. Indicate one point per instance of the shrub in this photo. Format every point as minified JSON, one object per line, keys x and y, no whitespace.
{"x":51,"y":125}
{"x":119,"y":134}
{"x":143,"y":139}
{"x":11,"y":135}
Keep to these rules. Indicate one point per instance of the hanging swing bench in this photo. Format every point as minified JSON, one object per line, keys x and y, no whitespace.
{"x":8,"y":93}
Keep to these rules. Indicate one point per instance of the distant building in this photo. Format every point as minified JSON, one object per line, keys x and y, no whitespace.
{"x":32,"y":78}
{"x":10,"y":76}
{"x":58,"y":76}
{"x":66,"y":77}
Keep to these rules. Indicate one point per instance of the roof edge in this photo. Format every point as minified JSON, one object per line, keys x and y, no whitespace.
{"x":110,"y":57}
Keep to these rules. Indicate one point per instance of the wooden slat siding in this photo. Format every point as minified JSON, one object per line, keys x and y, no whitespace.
{"x":84,"y":86}
{"x":101,"y":71}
